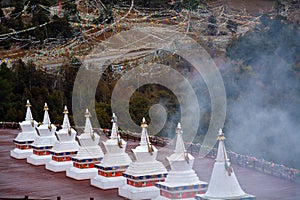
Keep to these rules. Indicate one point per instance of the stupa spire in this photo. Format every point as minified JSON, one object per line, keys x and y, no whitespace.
{"x":44,"y":142}
{"x":26,"y":137}
{"x":28,"y":112}
{"x":64,"y":148}
{"x":46,"y":119}
{"x":114,"y":129}
{"x":182,"y":182}
{"x":223,"y":182}
{"x":89,"y":153}
{"x":222,"y":155}
{"x":66,"y":122}
{"x":144,"y":137}
{"x":115,"y":161}
{"x":144,"y":172}
{"x":88,"y":126}
{"x":179,"y":148}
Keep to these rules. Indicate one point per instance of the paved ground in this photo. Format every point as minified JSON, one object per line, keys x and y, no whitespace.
{"x":17,"y":179}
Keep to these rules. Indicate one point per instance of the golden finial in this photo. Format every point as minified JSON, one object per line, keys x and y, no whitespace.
{"x":66,"y":110}
{"x":87,"y":114}
{"x":114,"y":118}
{"x":28,"y":103}
{"x":144,"y":123}
{"x":178,"y":128}
{"x":221,"y":136}
{"x":46,"y":107}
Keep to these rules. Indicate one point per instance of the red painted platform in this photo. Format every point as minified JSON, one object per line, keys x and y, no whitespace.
{"x":18,"y":178}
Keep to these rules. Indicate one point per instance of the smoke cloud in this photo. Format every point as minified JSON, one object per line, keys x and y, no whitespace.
{"x":263,"y":119}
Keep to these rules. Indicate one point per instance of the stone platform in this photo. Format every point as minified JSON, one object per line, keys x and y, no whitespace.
{"x":108,"y":183}
{"x":137,"y":193}
{"x":81,"y":174}
{"x":20,"y":154}
{"x":38,"y":160}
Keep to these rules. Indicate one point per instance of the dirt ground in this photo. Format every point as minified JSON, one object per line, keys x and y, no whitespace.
{"x":252,"y":7}
{"x":18,"y":178}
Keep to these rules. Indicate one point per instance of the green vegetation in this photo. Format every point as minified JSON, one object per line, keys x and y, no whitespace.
{"x":24,"y":81}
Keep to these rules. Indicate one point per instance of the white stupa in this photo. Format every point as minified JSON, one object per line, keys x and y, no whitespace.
{"x":223,"y":182}
{"x":88,"y":155}
{"x":114,"y":162}
{"x":145,"y":172}
{"x":65,"y":147}
{"x":182,"y":182}
{"x":43,"y":142}
{"x":26,"y":137}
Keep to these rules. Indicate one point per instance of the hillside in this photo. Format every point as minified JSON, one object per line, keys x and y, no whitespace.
{"x":255,"y":46}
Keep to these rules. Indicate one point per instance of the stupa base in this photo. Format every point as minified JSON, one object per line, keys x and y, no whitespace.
{"x":108,"y":183}
{"x":20,"y":154}
{"x":38,"y":160}
{"x":137,"y":193}
{"x":169,"y":191}
{"x":81,"y":174}
{"x":244,"y":197}
{"x":179,"y":194}
{"x":165,"y":198}
{"x":58,"y":166}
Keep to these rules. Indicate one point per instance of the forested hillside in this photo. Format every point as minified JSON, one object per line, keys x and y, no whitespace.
{"x":260,"y":70}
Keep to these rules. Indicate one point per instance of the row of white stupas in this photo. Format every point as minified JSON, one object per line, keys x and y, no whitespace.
{"x":143,"y":178}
